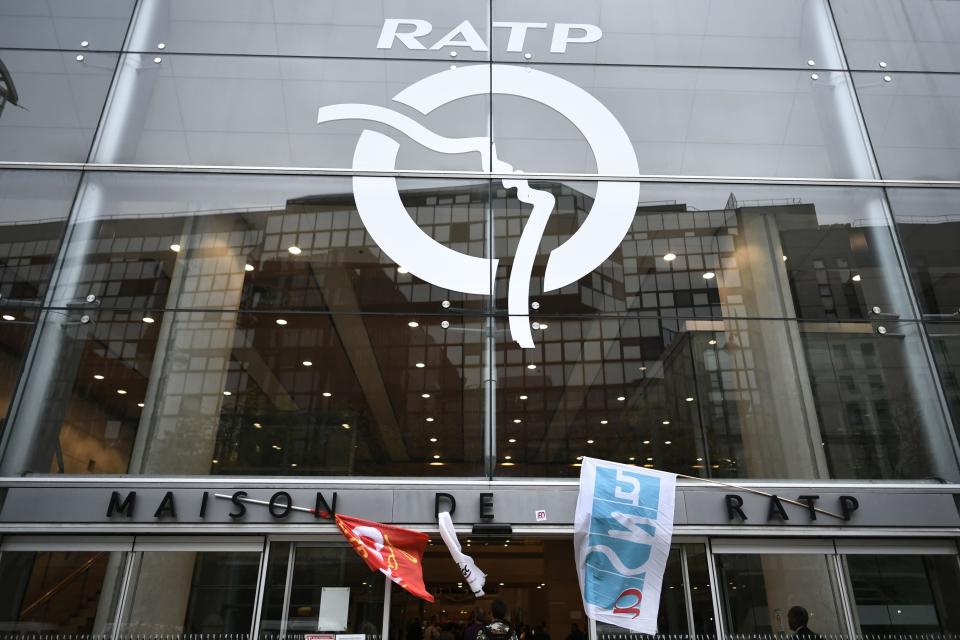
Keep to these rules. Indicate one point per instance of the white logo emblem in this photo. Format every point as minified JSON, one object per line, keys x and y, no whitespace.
{"x":392,"y":228}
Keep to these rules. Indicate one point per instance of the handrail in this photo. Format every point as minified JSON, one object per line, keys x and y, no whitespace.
{"x":60,"y":586}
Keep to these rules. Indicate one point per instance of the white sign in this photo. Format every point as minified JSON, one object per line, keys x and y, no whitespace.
{"x":391,"y":227}
{"x":540,"y":515}
{"x":410,"y":31}
{"x":334,"y":607}
{"x":621,"y":536}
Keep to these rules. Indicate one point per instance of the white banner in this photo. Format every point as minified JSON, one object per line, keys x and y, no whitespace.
{"x":471,"y":573}
{"x":622,"y":532}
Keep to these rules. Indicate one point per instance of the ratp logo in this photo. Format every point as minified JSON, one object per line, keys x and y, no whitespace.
{"x":391,"y":227}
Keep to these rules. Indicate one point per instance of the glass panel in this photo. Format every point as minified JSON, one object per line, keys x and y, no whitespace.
{"x":780,"y":594}
{"x":701,"y":122}
{"x":263,"y":112}
{"x":64,"y":24}
{"x":59,"y":593}
{"x":50,"y":103}
{"x":16,"y":328}
{"x":241,"y":393}
{"x":210,"y":592}
{"x":318,"y":570}
{"x":304,"y":28}
{"x":920,"y":35}
{"x":853,"y":400}
{"x":270,"y":242}
{"x":945,"y":340}
{"x":895,"y":595}
{"x":271,"y":614}
{"x":914,"y":123}
{"x":702,"y":251}
{"x":928,"y":221}
{"x":741,"y":33}
{"x":701,"y":598}
{"x":672,"y":614}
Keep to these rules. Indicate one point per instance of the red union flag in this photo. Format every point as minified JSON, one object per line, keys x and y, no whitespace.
{"x":395,"y":552}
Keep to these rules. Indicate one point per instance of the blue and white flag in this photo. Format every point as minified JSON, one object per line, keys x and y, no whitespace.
{"x":622,"y":532}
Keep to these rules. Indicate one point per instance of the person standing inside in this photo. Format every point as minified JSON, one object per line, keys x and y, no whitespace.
{"x":470,"y":633}
{"x":797,"y":618}
{"x":498,"y":628}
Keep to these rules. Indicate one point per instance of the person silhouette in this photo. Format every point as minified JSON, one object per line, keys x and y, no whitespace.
{"x":797,"y":618}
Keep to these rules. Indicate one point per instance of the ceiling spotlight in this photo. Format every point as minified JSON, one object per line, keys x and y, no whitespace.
{"x":175,"y":247}
{"x":326,"y":394}
{"x":433,"y":439}
{"x":649,"y":459}
{"x":248,"y":267}
{"x":345,"y":425}
{"x":257,"y":425}
{"x":424,"y":395}
{"x":281,"y":322}
{"x":295,"y":250}
{"x":8,"y":317}
{"x":307,"y":363}
{"x":97,"y":376}
{"x":579,"y":457}
{"x":784,"y":258}
{"x":517,"y":421}
{"x":543,"y":327}
{"x":227,"y":393}
{"x":429,"y":419}
{"x":856,"y":277}
{"x":589,"y":441}
{"x":512,"y":440}
{"x":215,"y":461}
{"x":523,"y":397}
{"x":140,"y":404}
{"x":689,"y":398}
{"x":419,"y":365}
{"x":646,"y":442}
{"x":531,"y":366}
{"x":621,"y":398}
{"x":508,"y":457}
{"x":699,"y":459}
{"x":122,"y":392}
{"x":667,"y":442}
{"x":413,"y":324}
{"x":631,"y":458}
{"x":711,"y":341}
{"x":148,"y":320}
{"x":643,"y":368}
{"x":436,"y":457}
{"x":293,"y":464}
{"x":709,"y":275}
{"x":670,"y":257}
{"x":402,"y":270}
{"x":665,"y":422}
{"x":603,"y":422}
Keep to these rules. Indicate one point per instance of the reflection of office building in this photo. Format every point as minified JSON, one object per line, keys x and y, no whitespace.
{"x":194,"y":306}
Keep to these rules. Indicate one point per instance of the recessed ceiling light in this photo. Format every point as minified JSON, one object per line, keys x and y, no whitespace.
{"x":631,"y":458}
{"x":257,"y":425}
{"x":621,"y":398}
{"x":307,"y":363}
{"x":646,"y":442}
{"x":8,"y":317}
{"x":424,"y":395}
{"x":140,"y":404}
{"x":148,"y":320}
{"x":667,"y":442}
{"x":709,"y":275}
{"x":345,"y":425}
{"x":295,"y":250}
{"x":293,"y":464}
{"x":215,"y":461}
{"x":227,"y":393}
{"x":699,"y":459}
{"x":248,"y":267}
{"x":579,"y":457}
{"x":531,"y":366}
{"x":326,"y":394}
{"x":175,"y":247}
{"x":856,"y":277}
{"x":122,"y":392}
{"x":508,"y":457}
{"x":603,"y":422}
{"x":689,"y":398}
{"x":402,"y":270}
{"x":665,"y":422}
{"x":670,"y":257}
{"x":97,"y":376}
{"x":281,"y":322}
{"x":523,"y":397}
{"x":589,"y":441}
{"x":784,"y":258}
{"x":277,"y":447}
{"x":649,"y":459}
{"x":436,"y":456}
{"x":517,"y":421}
{"x":413,"y":324}
{"x":543,"y":327}
{"x":712,"y":341}
{"x":419,"y":365}
{"x":433,"y":439}
{"x":429,"y":419}
{"x":643,"y":368}
{"x":512,"y":440}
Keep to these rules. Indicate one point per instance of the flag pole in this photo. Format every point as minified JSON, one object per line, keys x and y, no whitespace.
{"x":762,"y":493}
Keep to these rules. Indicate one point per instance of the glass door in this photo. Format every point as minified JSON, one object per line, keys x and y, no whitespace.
{"x":780,"y":588}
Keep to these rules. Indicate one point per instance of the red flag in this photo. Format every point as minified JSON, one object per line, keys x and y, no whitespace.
{"x":395,"y":552}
